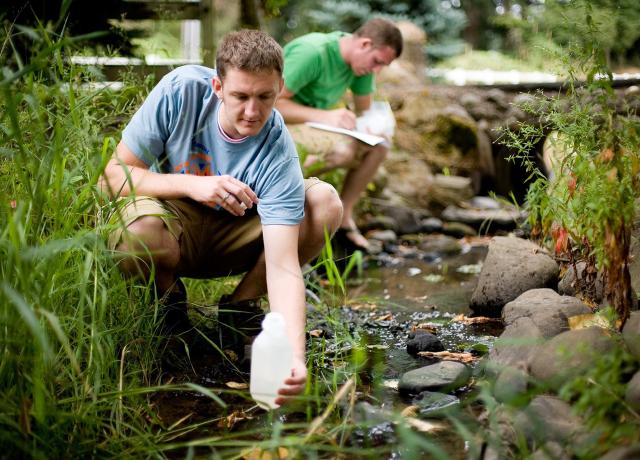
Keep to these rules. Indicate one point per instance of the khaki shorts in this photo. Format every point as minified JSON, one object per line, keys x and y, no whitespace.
{"x":326,"y":149}
{"x":212,"y":243}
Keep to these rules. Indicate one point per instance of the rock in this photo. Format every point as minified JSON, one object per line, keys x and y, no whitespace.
{"x":569,"y":284}
{"x":440,"y":244}
{"x":550,"y":451}
{"x":407,"y":219}
{"x":569,"y":355}
{"x":386,"y":236}
{"x":632,"y":395}
{"x":498,"y":97}
{"x":433,"y":404}
{"x":549,"y":311}
{"x":442,"y":376}
{"x":623,"y":453}
{"x":458,"y":229}
{"x":484,"y":218}
{"x":511,"y":386}
{"x":411,"y":183}
{"x":431,"y":225}
{"x":515,"y":347}
{"x":548,"y":418}
{"x":447,"y":190}
{"x":484,"y":202}
{"x":631,"y":334}
{"x":421,"y":340}
{"x":512,"y":266}
{"x":379,"y":223}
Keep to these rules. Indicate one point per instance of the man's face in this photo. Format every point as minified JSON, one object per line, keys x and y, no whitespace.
{"x":368,"y":59}
{"x":248,"y":99}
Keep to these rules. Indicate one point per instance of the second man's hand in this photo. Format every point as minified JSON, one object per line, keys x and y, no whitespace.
{"x":340,"y":118}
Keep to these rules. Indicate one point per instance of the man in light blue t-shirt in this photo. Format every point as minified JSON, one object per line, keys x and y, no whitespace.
{"x":212,"y":187}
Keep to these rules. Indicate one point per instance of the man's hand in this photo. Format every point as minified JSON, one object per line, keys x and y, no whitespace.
{"x":295,"y":384}
{"x":340,"y":118}
{"x":224,"y":191}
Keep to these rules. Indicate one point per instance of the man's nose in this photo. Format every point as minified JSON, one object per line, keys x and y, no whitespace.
{"x":251,"y":108}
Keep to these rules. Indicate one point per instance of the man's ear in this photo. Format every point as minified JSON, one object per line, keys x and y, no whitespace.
{"x":365,"y":43}
{"x":217,"y":87}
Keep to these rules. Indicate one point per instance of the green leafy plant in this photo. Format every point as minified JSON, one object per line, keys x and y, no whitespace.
{"x":587,"y":208}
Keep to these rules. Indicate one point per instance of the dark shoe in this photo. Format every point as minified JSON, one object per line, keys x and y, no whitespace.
{"x":238,"y":323}
{"x":346,"y":238}
{"x":174,"y":316}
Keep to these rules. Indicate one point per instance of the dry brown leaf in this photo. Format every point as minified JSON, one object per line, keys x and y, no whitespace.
{"x":588,"y":320}
{"x":316,"y":333}
{"x":429,"y":327}
{"x":475,"y":320}
{"x":363,"y":306}
{"x":237,"y":385}
{"x":231,"y":355}
{"x":386,"y":317}
{"x":230,"y":421}
{"x":410,"y":411}
{"x":256,"y":453}
{"x":448,"y":356}
{"x":423,"y":426}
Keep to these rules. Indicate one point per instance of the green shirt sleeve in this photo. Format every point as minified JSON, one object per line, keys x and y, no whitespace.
{"x":302,"y":66}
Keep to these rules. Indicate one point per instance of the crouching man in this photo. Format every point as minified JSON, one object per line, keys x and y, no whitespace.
{"x":208,"y":184}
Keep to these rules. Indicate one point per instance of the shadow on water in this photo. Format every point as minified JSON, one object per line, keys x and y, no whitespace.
{"x":400,"y":291}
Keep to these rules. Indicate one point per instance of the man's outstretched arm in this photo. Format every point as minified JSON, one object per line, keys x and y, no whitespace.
{"x":285,"y":287}
{"x":294,"y":112}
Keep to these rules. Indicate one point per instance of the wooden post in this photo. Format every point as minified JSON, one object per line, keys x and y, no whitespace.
{"x":207,"y":29}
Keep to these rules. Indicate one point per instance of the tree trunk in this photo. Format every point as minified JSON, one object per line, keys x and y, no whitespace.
{"x":249,"y":15}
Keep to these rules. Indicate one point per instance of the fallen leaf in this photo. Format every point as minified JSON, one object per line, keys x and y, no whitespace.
{"x":230,"y":421}
{"x":231,"y":355}
{"x":429,"y":327}
{"x":256,"y":453}
{"x":423,"y":426}
{"x":237,"y":385}
{"x":363,"y":306}
{"x":588,"y":320}
{"x":448,"y":356}
{"x":475,"y":320}
{"x":316,"y":333}
{"x":386,"y":317}
{"x":410,"y":411}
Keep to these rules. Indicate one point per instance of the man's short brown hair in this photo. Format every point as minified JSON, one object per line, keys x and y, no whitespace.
{"x":249,"y":50}
{"x":382,"y":32}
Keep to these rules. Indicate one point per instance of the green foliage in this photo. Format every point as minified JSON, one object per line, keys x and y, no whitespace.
{"x":588,"y":208}
{"x":441,"y":21}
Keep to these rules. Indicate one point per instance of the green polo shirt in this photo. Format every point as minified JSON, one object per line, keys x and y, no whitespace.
{"x":316,"y":74}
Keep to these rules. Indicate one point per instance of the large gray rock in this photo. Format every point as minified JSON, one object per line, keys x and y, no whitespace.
{"x":511,"y":386}
{"x":512,"y":266}
{"x":632,"y":395}
{"x":631,"y":334}
{"x":623,"y":453}
{"x":570,"y":354}
{"x":548,"y":310}
{"x":503,"y":218}
{"x":548,"y":418}
{"x":515,"y":347}
{"x":442,"y":376}
{"x":550,"y":451}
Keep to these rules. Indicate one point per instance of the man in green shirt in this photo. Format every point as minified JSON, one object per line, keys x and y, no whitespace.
{"x":319,"y":69}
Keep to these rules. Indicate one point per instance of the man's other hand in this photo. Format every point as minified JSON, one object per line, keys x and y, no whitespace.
{"x":224,"y":191}
{"x":295,"y":384}
{"x":340,"y":118}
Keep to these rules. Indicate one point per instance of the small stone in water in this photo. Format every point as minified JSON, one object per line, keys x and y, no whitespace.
{"x":413,"y":271}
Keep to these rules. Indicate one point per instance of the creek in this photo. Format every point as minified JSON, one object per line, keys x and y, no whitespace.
{"x":400,"y":289}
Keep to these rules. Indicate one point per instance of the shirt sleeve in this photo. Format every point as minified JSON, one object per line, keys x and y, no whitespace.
{"x":302,"y":65}
{"x":363,"y":85}
{"x":152,"y":124}
{"x":282,"y":199}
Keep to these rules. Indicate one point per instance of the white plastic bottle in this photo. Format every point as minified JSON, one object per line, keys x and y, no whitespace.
{"x":271,"y":360}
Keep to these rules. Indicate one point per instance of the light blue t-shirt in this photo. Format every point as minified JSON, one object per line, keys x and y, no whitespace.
{"x":176,"y":131}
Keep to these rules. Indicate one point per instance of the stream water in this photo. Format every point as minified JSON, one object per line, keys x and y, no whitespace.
{"x":406,"y":286}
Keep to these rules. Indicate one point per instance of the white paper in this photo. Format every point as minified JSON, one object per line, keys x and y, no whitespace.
{"x":369,"y":139}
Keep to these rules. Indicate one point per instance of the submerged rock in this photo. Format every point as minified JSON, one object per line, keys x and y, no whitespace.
{"x":434,"y":404}
{"x":442,"y":376}
{"x":421,"y":340}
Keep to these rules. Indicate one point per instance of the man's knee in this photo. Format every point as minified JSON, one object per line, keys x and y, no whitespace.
{"x":148,"y":237}
{"x":323,"y":206}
